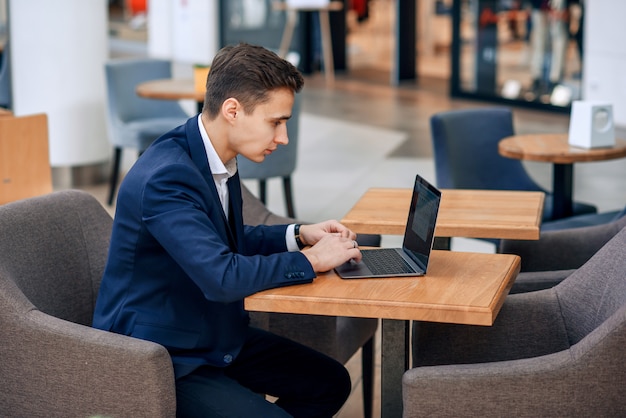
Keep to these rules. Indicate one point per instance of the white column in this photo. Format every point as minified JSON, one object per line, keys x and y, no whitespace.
{"x":183,"y":31}
{"x":58,"y":51}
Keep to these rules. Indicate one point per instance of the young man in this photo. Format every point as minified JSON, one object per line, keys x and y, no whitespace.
{"x":181,"y":261}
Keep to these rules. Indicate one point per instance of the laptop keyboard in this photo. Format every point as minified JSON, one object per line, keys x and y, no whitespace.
{"x":386,"y":261}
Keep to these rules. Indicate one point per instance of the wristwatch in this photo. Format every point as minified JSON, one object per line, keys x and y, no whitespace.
{"x":296,"y":233}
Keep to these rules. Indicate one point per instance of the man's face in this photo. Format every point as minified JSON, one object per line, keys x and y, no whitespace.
{"x":259,"y":133}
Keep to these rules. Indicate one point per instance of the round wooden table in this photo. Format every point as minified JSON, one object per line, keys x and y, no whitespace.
{"x":170,"y":89}
{"x":554,"y":148}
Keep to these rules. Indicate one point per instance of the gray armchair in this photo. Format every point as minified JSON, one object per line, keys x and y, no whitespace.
{"x":52,"y":253}
{"x":335,"y":336}
{"x":558,"y":252}
{"x":553,"y":352}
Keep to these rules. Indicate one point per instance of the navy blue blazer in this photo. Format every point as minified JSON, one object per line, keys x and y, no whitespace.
{"x":178,"y":270}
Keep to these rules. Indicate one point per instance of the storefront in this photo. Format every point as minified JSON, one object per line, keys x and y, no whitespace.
{"x":519,"y":52}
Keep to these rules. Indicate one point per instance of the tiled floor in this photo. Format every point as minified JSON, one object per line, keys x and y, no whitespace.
{"x":363,"y":133}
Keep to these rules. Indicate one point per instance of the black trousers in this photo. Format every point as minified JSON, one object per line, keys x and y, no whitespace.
{"x":305,"y":382}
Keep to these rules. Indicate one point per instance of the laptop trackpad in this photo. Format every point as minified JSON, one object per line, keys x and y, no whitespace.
{"x":352,"y":269}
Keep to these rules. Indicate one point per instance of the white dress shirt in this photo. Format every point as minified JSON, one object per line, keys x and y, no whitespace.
{"x":222,"y":172}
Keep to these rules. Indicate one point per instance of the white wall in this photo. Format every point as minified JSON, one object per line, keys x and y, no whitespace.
{"x":604,"y":61}
{"x":183,"y":31}
{"x":58,"y":51}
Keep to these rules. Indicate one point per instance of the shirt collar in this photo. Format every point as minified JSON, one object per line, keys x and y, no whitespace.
{"x":218,"y":168}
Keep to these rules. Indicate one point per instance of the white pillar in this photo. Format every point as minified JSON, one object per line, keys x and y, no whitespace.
{"x":185,"y":32}
{"x":58,"y":51}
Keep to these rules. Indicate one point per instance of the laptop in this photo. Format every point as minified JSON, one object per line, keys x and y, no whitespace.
{"x":412,"y":258}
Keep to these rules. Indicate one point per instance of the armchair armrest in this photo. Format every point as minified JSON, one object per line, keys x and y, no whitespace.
{"x":528,"y":325}
{"x":519,"y":387}
{"x":52,"y":367}
{"x":584,"y":380}
{"x":531,"y":281}
{"x":563,"y":249}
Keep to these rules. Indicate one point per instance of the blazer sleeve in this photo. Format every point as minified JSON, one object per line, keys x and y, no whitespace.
{"x":183,"y":214}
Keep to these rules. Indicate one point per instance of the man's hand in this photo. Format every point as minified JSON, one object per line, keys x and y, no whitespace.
{"x":332,"y":244}
{"x":311,"y":234}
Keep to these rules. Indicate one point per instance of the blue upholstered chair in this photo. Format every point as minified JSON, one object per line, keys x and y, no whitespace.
{"x":465,"y":145}
{"x":281,"y":163}
{"x":135,"y":122}
{"x":579,"y":221}
{"x":553,"y":352}
{"x":5,"y":78}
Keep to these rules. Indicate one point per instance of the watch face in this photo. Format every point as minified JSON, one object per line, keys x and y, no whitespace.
{"x":601,"y":120}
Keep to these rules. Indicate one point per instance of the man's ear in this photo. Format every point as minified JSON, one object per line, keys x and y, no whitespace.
{"x":230,"y":108}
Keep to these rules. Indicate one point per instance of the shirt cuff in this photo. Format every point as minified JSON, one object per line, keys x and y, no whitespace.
{"x":290,"y":238}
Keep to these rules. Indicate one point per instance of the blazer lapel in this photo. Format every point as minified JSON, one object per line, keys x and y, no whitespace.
{"x":200,"y":160}
{"x":235,"y":209}
{"x":198,"y":153}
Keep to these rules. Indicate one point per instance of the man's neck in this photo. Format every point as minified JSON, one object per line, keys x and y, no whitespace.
{"x":218,"y":135}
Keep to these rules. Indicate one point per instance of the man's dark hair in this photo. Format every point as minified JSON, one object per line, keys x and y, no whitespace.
{"x":247,"y":73}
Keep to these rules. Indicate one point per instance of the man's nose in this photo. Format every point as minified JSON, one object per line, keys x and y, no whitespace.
{"x":281,"y":136}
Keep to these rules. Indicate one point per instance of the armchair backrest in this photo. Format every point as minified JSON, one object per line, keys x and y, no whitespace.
{"x":123,"y":103}
{"x":52,"y":254}
{"x":465,"y":145}
{"x":53,"y":248}
{"x":595,"y":291}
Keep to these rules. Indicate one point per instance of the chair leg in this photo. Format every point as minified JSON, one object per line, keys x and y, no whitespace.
{"x":117,"y":156}
{"x":263,"y":191}
{"x":288,"y":197}
{"x":367,"y":365}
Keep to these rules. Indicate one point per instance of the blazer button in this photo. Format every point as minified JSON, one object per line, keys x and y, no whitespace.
{"x":228,"y":359}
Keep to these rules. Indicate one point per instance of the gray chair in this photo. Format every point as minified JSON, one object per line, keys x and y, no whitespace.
{"x":6,"y":96}
{"x":52,"y":253}
{"x":553,"y":352}
{"x":465,"y":145}
{"x":281,"y":163}
{"x":135,"y":122}
{"x":557,"y":252}
{"x":337,"y":337}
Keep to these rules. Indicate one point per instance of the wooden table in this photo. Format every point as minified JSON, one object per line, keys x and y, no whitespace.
{"x":171,"y":89}
{"x":463,"y":288}
{"x":554,"y":148}
{"x":462,"y":213}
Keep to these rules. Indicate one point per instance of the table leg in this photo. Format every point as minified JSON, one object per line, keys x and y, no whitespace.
{"x":290,"y":24}
{"x":327,"y":47}
{"x":395,"y":361}
{"x":442,"y":243}
{"x":405,"y":55}
{"x":562,"y":184}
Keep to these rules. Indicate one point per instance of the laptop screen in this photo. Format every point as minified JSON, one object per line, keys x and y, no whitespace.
{"x":420,"y":227}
